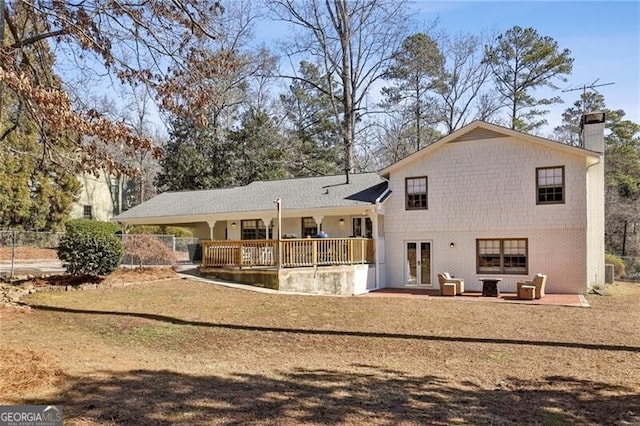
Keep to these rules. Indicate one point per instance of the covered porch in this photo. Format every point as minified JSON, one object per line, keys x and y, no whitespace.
{"x":318,"y":234}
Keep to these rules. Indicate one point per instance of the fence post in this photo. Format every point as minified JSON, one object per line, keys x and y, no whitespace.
{"x":14,"y":237}
{"x":173,"y":240}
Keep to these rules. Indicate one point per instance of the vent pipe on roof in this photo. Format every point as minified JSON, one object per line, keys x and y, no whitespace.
{"x":592,"y":131}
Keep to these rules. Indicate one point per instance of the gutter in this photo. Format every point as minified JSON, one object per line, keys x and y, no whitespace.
{"x":382,"y":197}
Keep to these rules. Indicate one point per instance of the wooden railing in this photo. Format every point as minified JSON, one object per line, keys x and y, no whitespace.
{"x":240,"y":253}
{"x":295,"y":252}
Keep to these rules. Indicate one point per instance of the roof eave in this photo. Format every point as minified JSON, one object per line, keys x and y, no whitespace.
{"x":488,"y":126}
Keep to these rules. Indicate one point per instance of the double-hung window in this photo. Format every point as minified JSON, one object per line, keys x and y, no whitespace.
{"x":416,"y":193}
{"x":550,"y":185}
{"x":502,"y":256}
{"x":253,"y":229}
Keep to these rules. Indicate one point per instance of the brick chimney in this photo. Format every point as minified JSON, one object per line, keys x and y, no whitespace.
{"x":592,"y":131}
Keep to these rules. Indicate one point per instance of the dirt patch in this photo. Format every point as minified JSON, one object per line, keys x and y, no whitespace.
{"x":186,"y":352}
{"x":119,"y":276}
{"x":28,"y":254}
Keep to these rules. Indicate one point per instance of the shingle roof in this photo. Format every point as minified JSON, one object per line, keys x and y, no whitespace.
{"x":301,"y":193}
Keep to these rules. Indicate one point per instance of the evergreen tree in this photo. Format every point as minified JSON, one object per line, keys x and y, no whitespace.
{"x":569,"y":130}
{"x":416,"y":72}
{"x":37,"y":163}
{"x":522,"y":61}
{"x":622,"y":176}
{"x":312,"y":134}
{"x":195,"y":158}
{"x":258,"y":148}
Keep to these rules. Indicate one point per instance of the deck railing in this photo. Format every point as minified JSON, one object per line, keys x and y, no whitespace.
{"x":295,"y":252}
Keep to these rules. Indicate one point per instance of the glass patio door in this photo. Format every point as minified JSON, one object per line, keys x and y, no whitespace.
{"x":418,"y":263}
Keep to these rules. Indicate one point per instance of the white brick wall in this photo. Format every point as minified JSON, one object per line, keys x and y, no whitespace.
{"x":487,"y":189}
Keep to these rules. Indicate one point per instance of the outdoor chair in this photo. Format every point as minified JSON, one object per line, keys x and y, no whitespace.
{"x":445,"y":278}
{"x":538,"y":281}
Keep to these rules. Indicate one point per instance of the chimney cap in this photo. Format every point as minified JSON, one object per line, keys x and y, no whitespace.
{"x":595,"y":117}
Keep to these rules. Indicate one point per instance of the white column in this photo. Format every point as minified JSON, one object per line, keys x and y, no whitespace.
{"x":267,"y":222}
{"x":211,"y":224}
{"x":318,"y":220}
{"x":376,"y":241}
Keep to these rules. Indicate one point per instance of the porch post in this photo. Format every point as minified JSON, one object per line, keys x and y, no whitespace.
{"x":211,"y":224}
{"x":376,"y":252}
{"x":318,"y":220}
{"x":267,"y":221}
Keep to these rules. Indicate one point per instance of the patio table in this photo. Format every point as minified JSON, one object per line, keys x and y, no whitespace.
{"x":490,"y":287}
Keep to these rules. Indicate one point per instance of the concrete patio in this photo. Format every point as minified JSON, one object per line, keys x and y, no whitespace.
{"x":577,"y":300}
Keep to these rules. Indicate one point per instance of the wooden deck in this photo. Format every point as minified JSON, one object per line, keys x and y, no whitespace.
{"x":290,"y":253}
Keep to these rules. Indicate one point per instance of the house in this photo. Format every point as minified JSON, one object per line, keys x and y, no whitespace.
{"x":101,"y":197}
{"x":483,"y":201}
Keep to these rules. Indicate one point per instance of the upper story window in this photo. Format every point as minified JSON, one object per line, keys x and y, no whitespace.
{"x":416,"y":193}
{"x":309,"y":227}
{"x":550,"y":185}
{"x":87,"y":212}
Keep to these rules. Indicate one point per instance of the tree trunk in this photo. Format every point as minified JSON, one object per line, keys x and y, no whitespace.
{"x":348,"y":124}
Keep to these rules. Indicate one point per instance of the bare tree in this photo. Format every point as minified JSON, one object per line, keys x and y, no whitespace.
{"x":352,"y":41}
{"x":462,"y":92}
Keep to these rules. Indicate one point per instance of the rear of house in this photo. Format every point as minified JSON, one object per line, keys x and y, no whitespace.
{"x":483,"y":202}
{"x":489,"y":201}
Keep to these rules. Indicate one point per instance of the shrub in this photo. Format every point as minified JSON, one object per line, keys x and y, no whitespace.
{"x":176,"y":231}
{"x":179,"y":232}
{"x":144,"y":229}
{"x":94,"y":226}
{"x":618,"y":264}
{"x":86,"y":251}
{"x":146,"y":250}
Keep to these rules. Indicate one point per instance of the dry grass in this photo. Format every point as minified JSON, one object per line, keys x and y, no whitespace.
{"x":28,"y":254}
{"x":25,"y":371}
{"x":184,"y":352}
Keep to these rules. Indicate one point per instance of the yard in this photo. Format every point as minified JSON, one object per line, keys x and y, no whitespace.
{"x":186,"y":352}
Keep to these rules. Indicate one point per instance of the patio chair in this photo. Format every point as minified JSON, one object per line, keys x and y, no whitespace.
{"x":445,"y":278}
{"x":538,"y":281}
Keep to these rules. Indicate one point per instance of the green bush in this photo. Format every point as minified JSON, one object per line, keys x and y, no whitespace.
{"x":179,"y":232}
{"x":86,"y":225}
{"x":145,"y":229}
{"x":618,"y":264}
{"x":90,"y":251}
{"x":176,"y":231}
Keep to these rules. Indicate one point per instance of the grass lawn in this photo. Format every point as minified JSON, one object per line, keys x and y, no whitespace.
{"x":185,"y":352}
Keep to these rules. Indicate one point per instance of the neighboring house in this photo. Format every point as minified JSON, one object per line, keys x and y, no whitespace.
{"x":483,"y":201}
{"x":100,"y":197}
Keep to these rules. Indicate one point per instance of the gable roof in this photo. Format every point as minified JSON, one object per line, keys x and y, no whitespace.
{"x":478,"y":130}
{"x":301,"y":193}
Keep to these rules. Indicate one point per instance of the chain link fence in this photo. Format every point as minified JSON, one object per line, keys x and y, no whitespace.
{"x":39,"y":249}
{"x":631,"y":268}
{"x":183,"y":249}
